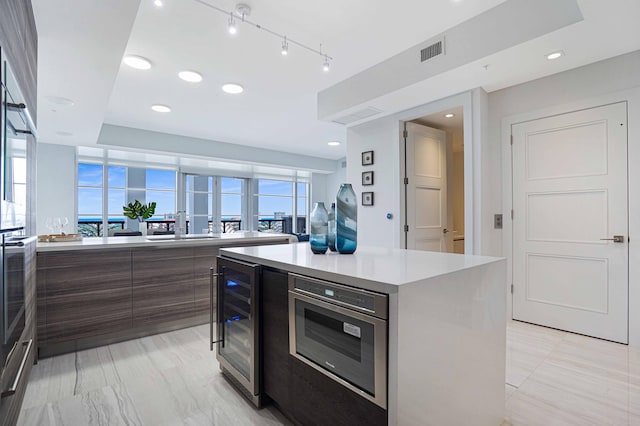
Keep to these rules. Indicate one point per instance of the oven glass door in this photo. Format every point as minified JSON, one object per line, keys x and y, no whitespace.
{"x":336,"y":341}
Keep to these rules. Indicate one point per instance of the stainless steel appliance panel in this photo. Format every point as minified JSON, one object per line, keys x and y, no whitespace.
{"x":337,"y":338}
{"x":237,"y":322}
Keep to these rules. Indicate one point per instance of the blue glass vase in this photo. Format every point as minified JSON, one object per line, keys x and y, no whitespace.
{"x":318,"y":239}
{"x":346,"y":220}
{"x":332,"y":227}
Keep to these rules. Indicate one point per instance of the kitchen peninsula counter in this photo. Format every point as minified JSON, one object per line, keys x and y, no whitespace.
{"x":446,"y":325}
{"x":217,"y":240}
{"x":102,"y":290}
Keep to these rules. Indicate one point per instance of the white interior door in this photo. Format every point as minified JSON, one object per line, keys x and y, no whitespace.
{"x":426,"y":188}
{"x":569,"y":195}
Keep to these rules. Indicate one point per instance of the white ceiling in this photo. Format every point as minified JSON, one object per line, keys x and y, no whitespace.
{"x":82,"y":43}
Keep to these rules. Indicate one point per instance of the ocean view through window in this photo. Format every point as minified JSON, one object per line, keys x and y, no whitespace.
{"x":218,"y":204}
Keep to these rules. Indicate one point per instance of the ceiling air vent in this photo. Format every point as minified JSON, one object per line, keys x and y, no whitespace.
{"x":432,"y":51}
{"x":357,"y":116}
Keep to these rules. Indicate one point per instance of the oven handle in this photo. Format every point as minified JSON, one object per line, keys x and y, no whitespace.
{"x":23,"y":363}
{"x":309,"y":298}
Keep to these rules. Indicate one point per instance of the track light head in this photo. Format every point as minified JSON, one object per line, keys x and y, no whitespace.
{"x":232,"y":28}
{"x":285,"y":47}
{"x":325,"y":65}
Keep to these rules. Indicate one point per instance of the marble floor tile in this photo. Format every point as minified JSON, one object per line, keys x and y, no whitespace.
{"x":553,"y":378}
{"x":527,"y":347}
{"x":110,"y":405}
{"x":508,"y":391}
{"x":51,"y":379}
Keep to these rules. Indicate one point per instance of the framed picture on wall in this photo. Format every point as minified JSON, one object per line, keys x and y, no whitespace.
{"x":367,"y":178}
{"x":367,"y":198}
{"x":367,"y":158}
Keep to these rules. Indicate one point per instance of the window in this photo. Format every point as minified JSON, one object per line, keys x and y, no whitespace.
{"x":124,"y":185}
{"x":204,"y":201}
{"x":107,"y":180}
{"x":278,"y":203}
{"x":231,"y":200}
{"x":90,"y":199}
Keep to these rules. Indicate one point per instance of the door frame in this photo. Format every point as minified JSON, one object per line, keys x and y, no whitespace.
{"x":475,"y":114}
{"x":632,"y":98}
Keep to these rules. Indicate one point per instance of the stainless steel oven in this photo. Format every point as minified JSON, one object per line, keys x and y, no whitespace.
{"x":340,"y":331}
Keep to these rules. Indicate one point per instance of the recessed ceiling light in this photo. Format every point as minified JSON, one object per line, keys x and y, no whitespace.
{"x":63,"y":133}
{"x":160,"y":108}
{"x":555,"y":55}
{"x":333,"y":143}
{"x":449,"y":115}
{"x":60,"y":101}
{"x":232,"y":88}
{"x":158,"y":3}
{"x":137,"y":62}
{"x":190,"y":76}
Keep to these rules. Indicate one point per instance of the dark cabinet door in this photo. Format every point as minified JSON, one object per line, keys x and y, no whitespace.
{"x":303,"y":394}
{"x":163,"y":285}
{"x":275,"y":336}
{"x":85,"y":294}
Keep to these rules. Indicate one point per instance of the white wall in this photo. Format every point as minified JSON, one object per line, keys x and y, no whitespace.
{"x":334,"y":180}
{"x":613,"y":80}
{"x":56,"y":183}
{"x":383,"y":136}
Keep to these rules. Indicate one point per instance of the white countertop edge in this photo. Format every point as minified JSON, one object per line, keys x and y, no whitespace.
{"x":340,"y":268}
{"x":110,"y":243}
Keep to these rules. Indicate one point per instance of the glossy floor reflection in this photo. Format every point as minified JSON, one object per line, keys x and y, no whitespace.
{"x":166,"y":379}
{"x":553,"y":378}
{"x":560,"y":378}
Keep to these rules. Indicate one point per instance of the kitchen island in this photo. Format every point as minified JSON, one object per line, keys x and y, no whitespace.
{"x":102,"y":290}
{"x":446,"y":335}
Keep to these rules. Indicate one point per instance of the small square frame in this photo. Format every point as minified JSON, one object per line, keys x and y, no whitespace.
{"x":367,"y":178}
{"x":367,"y":198}
{"x":367,"y":158}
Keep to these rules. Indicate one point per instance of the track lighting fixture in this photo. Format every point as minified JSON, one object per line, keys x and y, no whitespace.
{"x":240,"y":14}
{"x":231,"y":27}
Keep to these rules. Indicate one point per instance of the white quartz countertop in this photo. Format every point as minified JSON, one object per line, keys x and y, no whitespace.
{"x":388,"y":268}
{"x":165,"y":241}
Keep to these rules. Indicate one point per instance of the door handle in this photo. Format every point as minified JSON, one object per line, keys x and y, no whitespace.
{"x":213,"y":276}
{"x":445,"y":230}
{"x":615,"y":239}
{"x":16,"y":381}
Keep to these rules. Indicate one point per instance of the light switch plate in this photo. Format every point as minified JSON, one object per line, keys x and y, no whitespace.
{"x":497,"y":221}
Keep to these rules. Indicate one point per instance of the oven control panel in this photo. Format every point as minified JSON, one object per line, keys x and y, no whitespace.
{"x":363,"y":300}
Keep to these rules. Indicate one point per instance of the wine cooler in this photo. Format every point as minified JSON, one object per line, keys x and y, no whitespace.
{"x":237,"y":324}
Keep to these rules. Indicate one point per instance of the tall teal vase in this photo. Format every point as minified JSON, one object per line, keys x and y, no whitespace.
{"x":332,"y":227}
{"x":319,"y":236}
{"x":346,"y":220}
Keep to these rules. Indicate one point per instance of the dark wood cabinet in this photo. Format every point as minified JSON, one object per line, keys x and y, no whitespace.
{"x":275,"y":332}
{"x":19,"y":39}
{"x":204,"y":258}
{"x":302,"y":393}
{"x":163,"y":284}
{"x":88,"y":298}
{"x":10,"y":405}
{"x":83,"y":294}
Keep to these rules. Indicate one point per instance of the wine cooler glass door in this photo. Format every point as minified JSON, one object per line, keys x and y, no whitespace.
{"x":238,"y":321}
